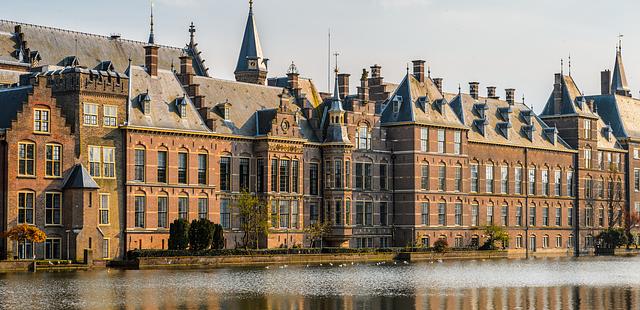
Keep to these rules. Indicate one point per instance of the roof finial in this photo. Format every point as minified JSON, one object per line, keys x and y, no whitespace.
{"x":459,"y":89}
{"x":250,"y":6}
{"x":407,"y":68}
{"x":192,"y":34}
{"x":562,"y":66}
{"x":569,"y":64}
{"x":620,"y":42}
{"x":151,"y":36}
{"x":429,"y":71}
{"x":336,"y":54}
{"x":523,"y":99}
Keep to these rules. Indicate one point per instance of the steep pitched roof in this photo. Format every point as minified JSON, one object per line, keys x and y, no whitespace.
{"x":307,"y":87}
{"x":164,"y":91}
{"x":571,"y":101}
{"x":619,"y":83}
{"x":419,"y":103}
{"x":621,"y":113}
{"x":79,"y":178}
{"x":11,"y":101}
{"x":55,"y":44}
{"x":251,"y":47}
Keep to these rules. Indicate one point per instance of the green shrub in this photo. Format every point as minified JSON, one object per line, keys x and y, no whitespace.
{"x":179,"y":235}
{"x":200,"y":234}
{"x":440,"y":246}
{"x":218,"y":237}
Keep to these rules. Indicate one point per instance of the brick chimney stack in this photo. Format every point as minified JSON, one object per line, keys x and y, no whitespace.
{"x":363,"y":90}
{"x":438,"y":82}
{"x":151,"y":59}
{"x":491,"y":92}
{"x":474,"y":89}
{"x":343,"y":85}
{"x":418,"y":70}
{"x":510,"y":95}
{"x":605,"y":82}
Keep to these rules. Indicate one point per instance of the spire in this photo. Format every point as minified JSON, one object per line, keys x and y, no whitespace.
{"x":619,"y":85}
{"x":251,"y":66}
{"x":151,"y":36}
{"x":192,"y":35}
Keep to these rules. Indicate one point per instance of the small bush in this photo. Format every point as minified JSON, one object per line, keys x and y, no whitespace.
{"x":200,"y":234}
{"x":179,"y":235}
{"x":218,"y":237}
{"x":440,"y":246}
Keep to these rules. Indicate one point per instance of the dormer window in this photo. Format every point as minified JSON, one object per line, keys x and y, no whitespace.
{"x":226,"y":113}
{"x":397,"y":100}
{"x":503,"y":128}
{"x":528,"y":131}
{"x":145,"y":103}
{"x":480,"y":108}
{"x":552,"y":134}
{"x":181,"y":105}
{"x":224,"y":109}
{"x":481,"y":124}
{"x":527,"y":116}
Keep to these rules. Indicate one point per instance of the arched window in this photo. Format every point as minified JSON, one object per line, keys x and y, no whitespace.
{"x":363,"y":137}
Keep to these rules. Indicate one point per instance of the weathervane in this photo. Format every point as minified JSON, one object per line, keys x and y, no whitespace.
{"x":336,"y":54}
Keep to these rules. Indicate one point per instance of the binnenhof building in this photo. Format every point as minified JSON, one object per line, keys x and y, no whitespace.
{"x":105,"y":141}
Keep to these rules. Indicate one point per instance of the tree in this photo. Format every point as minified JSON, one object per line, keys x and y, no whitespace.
{"x":317,"y":231}
{"x":200,"y":234}
{"x":440,"y":246}
{"x":254,"y":219}
{"x":179,"y":235}
{"x":218,"y":237}
{"x":494,"y":235}
{"x":24,"y":232}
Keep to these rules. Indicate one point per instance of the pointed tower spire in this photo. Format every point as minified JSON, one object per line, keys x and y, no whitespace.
{"x":151,"y":36}
{"x":251,"y":66}
{"x":192,"y":34}
{"x":619,"y":85}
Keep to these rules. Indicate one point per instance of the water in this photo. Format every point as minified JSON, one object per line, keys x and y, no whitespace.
{"x":586,"y":283}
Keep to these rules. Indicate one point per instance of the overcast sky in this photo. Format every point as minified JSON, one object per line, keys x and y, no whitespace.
{"x":506,"y":43}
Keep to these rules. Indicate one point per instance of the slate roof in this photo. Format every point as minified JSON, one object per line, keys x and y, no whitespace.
{"x":499,"y":118}
{"x":420,"y":103}
{"x":11,"y":101}
{"x":307,"y":87}
{"x":621,"y":112}
{"x":164,"y":90}
{"x":79,"y":178}
{"x":619,"y":78}
{"x":251,"y":47}
{"x":55,"y":44}
{"x":572,"y":100}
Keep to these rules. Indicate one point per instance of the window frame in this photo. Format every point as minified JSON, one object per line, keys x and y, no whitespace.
{"x":50,"y":210}
{"x":39,"y":122}
{"x":88,"y":117}
{"x":50,"y":162}
{"x":102,"y":210}
{"x":25,"y":161}
{"x":24,"y":208}
{"x":110,"y":120}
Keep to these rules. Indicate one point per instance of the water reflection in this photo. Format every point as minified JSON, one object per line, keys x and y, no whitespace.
{"x":610,"y":283}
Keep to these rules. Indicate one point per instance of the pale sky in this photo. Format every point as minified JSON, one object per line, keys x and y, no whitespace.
{"x":505,"y":43}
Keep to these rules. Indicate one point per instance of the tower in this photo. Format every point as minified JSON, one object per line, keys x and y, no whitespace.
{"x":252,"y":66}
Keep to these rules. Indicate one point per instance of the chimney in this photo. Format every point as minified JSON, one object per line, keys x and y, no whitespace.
{"x":418,"y":70}
{"x":605,"y":82}
{"x":438,"y":82}
{"x":293,"y":80}
{"x":491,"y":92}
{"x":186,"y":70}
{"x":510,"y":95}
{"x":557,"y":93}
{"x":474,"y":88}
{"x":343,"y":85}
{"x":151,"y":59}
{"x":376,"y":71}
{"x":363,"y":90}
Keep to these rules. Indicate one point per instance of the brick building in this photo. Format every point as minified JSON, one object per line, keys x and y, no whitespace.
{"x":139,"y":134}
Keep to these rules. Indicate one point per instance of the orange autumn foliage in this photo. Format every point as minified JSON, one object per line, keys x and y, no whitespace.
{"x":25,"y":232}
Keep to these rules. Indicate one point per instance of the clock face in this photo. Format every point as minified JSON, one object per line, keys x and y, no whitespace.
{"x":284,"y":126}
{"x":253,"y":64}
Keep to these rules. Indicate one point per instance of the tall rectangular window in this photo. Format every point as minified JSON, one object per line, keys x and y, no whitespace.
{"x":338,"y":174}
{"x":518,"y":180}
{"x":314,"y":213}
{"x":636,"y":179}
{"x":327,"y":174}
{"x":41,"y":120}
{"x":347,"y":211}
{"x":284,"y":214}
{"x":284,"y":176}
{"x":368,"y":213}
{"x":425,"y":214}
{"x":383,"y":176}
{"x":458,"y":213}
{"x":244,"y":174}
{"x":225,"y":213}
{"x":202,"y":168}
{"x":457,"y":142}
{"x":475,"y":210}
{"x":53,"y":208}
{"x":104,"y":209}
{"x":52,"y":248}
{"x":163,"y":212}
{"x":569,"y":183}
{"x":26,"y":201}
{"x":424,"y":177}
{"x":368,"y":178}
{"x":504,"y":179}
{"x":338,"y":212}
{"x":558,"y":217}
{"x":139,"y":211}
{"x":442,"y":214}
{"x":110,"y":115}
{"x":532,"y":216}
{"x":359,"y":213}
{"x":545,"y":216}
{"x":90,"y":114}
{"x":504,"y":215}
{"x":295,"y":176}
{"x":182,"y":168}
{"x":570,"y":216}
{"x":441,"y":141}
{"x":473,"y":168}
{"x":295,"y":213}
{"x":442,"y":178}
{"x":347,"y":172}
{"x":532,"y":181}
{"x":183,"y":208}
{"x":587,"y":129}
{"x":587,"y":158}
{"x":519,"y":216}
{"x":424,"y":139}
{"x":95,"y":156}
{"x":109,"y":162}
{"x":139,"y":161}
{"x":162,"y":166}
{"x":313,"y":179}
{"x":26,"y":159}
{"x":489,"y":178}
{"x":545,"y":182}
{"x":105,"y":248}
{"x":260,"y":175}
{"x":274,"y":175}
{"x":557,"y":182}
{"x":203,"y":208}
{"x":225,"y":173}
{"x":458,"y":178}
{"x":384,"y":213}
{"x":489,"y":214}
{"x":53,"y":164}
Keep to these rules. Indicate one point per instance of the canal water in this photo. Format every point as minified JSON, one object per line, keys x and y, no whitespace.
{"x":558,"y":283}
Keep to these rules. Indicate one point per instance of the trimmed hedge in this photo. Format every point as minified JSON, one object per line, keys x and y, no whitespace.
{"x":280,"y":251}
